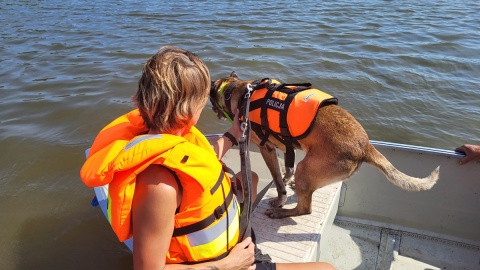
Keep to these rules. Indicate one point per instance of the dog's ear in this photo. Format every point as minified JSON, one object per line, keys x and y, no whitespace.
{"x":234,"y":75}
{"x":212,"y":89}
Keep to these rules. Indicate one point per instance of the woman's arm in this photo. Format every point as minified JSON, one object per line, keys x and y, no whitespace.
{"x":154,"y":204}
{"x":156,"y":198}
{"x":222,"y":145}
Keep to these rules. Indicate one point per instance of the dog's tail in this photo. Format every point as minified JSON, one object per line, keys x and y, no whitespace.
{"x":374,"y":157}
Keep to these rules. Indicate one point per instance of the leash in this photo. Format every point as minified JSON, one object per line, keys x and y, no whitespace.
{"x":244,"y":141}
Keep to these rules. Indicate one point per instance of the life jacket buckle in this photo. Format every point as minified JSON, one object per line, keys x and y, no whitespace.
{"x":219,"y":212}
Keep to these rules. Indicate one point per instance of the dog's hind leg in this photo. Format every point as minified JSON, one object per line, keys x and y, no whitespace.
{"x":311,"y":174}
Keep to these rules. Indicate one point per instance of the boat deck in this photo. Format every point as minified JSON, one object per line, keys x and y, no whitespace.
{"x":293,"y":239}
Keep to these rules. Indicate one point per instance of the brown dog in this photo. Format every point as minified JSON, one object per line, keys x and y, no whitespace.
{"x":334,"y":149}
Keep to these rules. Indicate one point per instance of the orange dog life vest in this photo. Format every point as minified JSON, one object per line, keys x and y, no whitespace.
{"x":285,"y":111}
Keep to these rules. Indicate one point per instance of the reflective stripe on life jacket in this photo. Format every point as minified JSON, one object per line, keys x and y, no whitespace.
{"x":208,"y":206}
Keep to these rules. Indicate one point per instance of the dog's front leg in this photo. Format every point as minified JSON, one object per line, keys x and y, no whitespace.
{"x":305,"y":186}
{"x":269,"y":154}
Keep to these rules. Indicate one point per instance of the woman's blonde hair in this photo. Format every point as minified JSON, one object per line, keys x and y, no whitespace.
{"x":173,"y":87}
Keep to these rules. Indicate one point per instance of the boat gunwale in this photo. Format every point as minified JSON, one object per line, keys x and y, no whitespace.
{"x":393,"y":146}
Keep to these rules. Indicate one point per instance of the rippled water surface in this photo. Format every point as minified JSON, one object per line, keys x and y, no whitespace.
{"x":408,"y":70}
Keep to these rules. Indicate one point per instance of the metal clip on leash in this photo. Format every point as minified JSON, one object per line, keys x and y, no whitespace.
{"x":246,"y":109}
{"x":244,"y":141}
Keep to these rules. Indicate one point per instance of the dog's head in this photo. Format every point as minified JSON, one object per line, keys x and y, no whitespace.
{"x":218,"y":97}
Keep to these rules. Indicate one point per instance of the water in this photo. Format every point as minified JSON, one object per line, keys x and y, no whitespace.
{"x":408,"y":70}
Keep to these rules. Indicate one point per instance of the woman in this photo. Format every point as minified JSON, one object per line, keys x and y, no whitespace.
{"x":183,"y":211}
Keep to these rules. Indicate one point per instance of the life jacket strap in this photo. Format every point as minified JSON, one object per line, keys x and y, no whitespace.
{"x":219,"y":181}
{"x":217,"y":214}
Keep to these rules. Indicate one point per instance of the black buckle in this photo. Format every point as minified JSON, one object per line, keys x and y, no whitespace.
{"x":219,"y":212}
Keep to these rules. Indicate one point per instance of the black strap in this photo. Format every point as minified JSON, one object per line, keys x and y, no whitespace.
{"x":263,"y":109}
{"x":227,"y":169}
{"x":245,"y":215}
{"x":259,"y":256}
{"x":265,"y":82}
{"x":289,"y":154}
{"x":227,"y":96}
{"x":256,"y":104}
{"x":246,"y":171}
{"x":219,"y":181}
{"x":266,"y":134}
{"x":217,"y":214}
{"x":297,"y":87}
{"x":284,"y":131}
{"x":231,"y":138}
{"x":264,"y":116}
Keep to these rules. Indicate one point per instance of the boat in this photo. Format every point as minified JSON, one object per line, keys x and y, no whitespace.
{"x":365,"y":222}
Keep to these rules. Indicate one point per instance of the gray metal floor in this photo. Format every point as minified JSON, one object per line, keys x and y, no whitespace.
{"x":356,"y":245}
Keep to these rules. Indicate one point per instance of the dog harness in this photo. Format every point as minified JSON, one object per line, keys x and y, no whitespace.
{"x":285,"y":111}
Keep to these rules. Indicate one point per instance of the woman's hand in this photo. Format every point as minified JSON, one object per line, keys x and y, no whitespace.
{"x":472,"y":152}
{"x":242,"y":255}
{"x":235,"y":129}
{"x":224,"y":143}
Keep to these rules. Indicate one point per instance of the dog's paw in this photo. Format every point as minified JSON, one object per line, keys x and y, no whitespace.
{"x":291,"y":185}
{"x":275,"y":213}
{"x":288,"y":180}
{"x":278,"y":213}
{"x":278,"y":202}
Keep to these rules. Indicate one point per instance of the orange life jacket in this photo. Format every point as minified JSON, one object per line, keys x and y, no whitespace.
{"x":285,"y":111}
{"x":207,"y":222}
